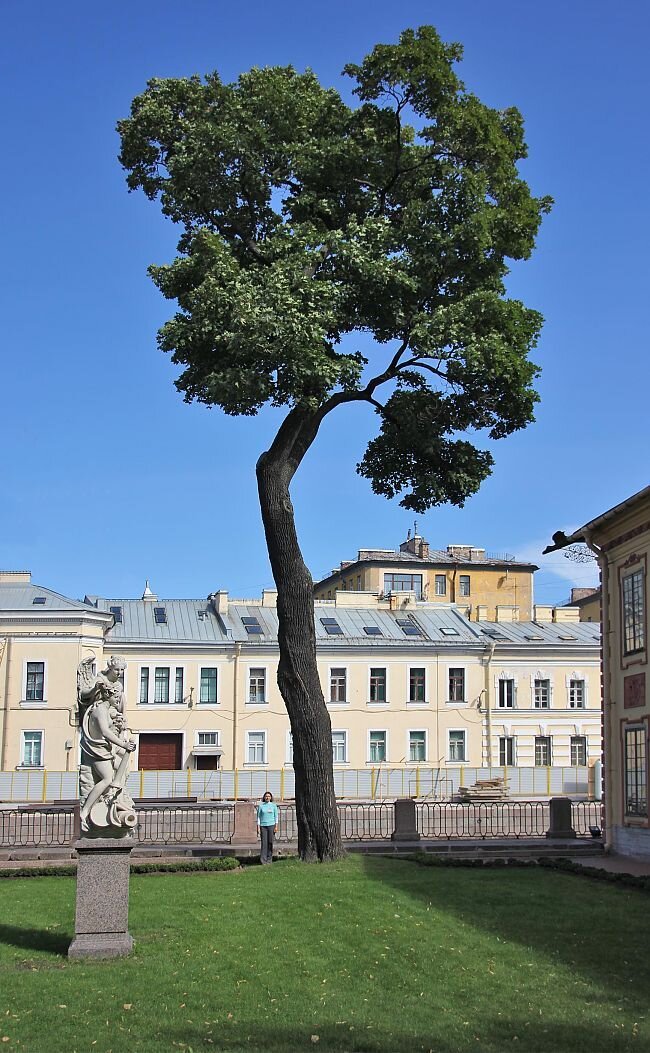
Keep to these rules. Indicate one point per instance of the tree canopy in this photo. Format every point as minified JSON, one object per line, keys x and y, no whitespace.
{"x":307,"y":220}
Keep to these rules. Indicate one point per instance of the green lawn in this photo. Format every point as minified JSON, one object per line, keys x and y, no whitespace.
{"x":369,"y":954}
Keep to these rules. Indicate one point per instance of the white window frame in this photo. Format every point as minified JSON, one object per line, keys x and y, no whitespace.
{"x":541,"y":675}
{"x":249,"y":701}
{"x":170,"y":690}
{"x":289,"y":752}
{"x":457,"y":731}
{"x":436,"y":578}
{"x":505,"y":675}
{"x":387,"y":672}
{"x":417,"y":731}
{"x":208,"y":731}
{"x":415,"y":704}
{"x":32,"y":731}
{"x":344,"y":733}
{"x":265,"y":744}
{"x":456,"y":665}
{"x":513,"y":739}
{"x":549,"y":739}
{"x":468,"y":579}
{"x":329,"y":686}
{"x":204,"y":705}
{"x":585,"y":739}
{"x":384,"y":732}
{"x":172,"y":687}
{"x":577,"y":675}
{"x":151,"y":667}
{"x":24,"y":701}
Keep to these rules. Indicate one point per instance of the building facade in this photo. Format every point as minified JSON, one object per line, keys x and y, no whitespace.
{"x":620,"y":538}
{"x":486,"y":587}
{"x":406,"y":685}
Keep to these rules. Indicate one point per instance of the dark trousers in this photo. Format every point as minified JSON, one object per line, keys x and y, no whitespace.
{"x":266,"y":834}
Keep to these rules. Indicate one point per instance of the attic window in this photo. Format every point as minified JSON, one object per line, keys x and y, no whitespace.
{"x":533,"y":636}
{"x":117,"y":614}
{"x":252,"y":626}
{"x":409,"y":627}
{"x":372,"y":630}
{"x":201,"y":615}
{"x":331,"y":627}
{"x":562,"y":636}
{"x":39,"y":599}
{"x":160,"y":615}
{"x":494,"y":634}
{"x":448,"y":630}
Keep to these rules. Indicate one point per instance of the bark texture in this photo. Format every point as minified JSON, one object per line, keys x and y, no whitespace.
{"x":319,"y":835}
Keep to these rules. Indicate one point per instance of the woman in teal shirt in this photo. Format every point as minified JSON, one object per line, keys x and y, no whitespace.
{"x":267,"y":825}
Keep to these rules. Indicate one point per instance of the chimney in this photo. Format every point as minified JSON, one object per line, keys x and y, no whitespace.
{"x":15,"y":577}
{"x":148,"y":595}
{"x":269,"y":597}
{"x":219,"y":601}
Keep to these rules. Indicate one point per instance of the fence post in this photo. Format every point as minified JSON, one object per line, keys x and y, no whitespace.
{"x":141,"y":782}
{"x":282,"y":784}
{"x":44,"y":789}
{"x":417,"y":782}
{"x":189,"y":781}
{"x":373,"y":786}
{"x":548,"y":781}
{"x":244,"y":824}
{"x":405,"y":824}
{"x":236,"y":785}
{"x":560,"y":818}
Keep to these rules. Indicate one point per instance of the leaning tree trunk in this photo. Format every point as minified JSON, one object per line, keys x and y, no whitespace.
{"x":319,"y":834}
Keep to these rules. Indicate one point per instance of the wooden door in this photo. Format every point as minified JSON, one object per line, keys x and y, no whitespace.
{"x":159,"y":752}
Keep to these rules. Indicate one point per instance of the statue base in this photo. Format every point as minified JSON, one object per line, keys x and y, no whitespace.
{"x":102,"y":915}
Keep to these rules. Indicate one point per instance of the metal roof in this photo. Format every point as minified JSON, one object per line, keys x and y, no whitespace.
{"x":186,"y":621}
{"x":20,"y":596}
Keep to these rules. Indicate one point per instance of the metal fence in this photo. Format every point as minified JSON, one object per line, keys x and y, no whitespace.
{"x":167,"y":825}
{"x":359,"y":822}
{"x":31,"y":828}
{"x":482,"y":819}
{"x":374,"y":783}
{"x":584,"y":815}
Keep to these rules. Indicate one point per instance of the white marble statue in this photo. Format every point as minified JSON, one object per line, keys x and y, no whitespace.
{"x":106,"y":808}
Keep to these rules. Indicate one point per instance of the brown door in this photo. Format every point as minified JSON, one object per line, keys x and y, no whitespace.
{"x":207,"y":763}
{"x":160,"y":752}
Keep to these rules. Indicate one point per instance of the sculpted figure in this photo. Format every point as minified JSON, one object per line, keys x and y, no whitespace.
{"x":106,"y":808}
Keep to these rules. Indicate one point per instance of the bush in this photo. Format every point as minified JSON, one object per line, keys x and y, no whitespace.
{"x":178,"y":866}
{"x":567,"y":866}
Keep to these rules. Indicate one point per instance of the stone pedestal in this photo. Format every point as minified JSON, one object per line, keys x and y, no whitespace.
{"x":405,"y":821}
{"x":102,"y":918}
{"x":560,"y":818}
{"x":245,"y":824}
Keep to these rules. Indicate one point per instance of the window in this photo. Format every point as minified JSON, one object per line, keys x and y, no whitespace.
{"x":403,"y":583}
{"x":117,"y":614}
{"x":377,"y":692}
{"x":179,"y":694}
{"x":358,"y":583}
{"x":35,"y":682}
{"x":32,"y":749}
{"x":441,"y":585}
{"x":576,"y":694}
{"x":144,"y":685}
{"x":257,"y":686}
{"x":208,"y":689}
{"x":578,"y":750}
{"x":339,"y":747}
{"x":377,"y":746}
{"x":463,"y":585}
{"x":338,"y":686}
{"x":456,"y":685}
{"x":506,"y":694}
{"x":160,"y":616}
{"x":417,"y":746}
{"x":331,"y":627}
{"x":372,"y":630}
{"x":633,"y":612}
{"x":161,"y":684}
{"x":506,"y":750}
{"x":542,"y":694}
{"x":542,"y":751}
{"x":417,"y":685}
{"x":408,"y":626}
{"x":252,"y":626}
{"x":457,"y":747}
{"x":207,"y":738}
{"x":39,"y":600}
{"x":256,"y":747}
{"x":636,"y":772}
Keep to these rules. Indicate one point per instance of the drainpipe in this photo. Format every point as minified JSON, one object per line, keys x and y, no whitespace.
{"x":235,"y":706}
{"x":605,"y":664}
{"x":5,"y":722}
{"x":489,"y":655}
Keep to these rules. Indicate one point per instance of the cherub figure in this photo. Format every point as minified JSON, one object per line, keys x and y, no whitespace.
{"x":105,"y":749}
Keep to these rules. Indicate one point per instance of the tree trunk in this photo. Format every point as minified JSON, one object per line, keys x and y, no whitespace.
{"x":319,"y":834}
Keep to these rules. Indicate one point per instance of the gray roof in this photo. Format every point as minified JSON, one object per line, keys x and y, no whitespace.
{"x":195,"y":622}
{"x":20,"y":596}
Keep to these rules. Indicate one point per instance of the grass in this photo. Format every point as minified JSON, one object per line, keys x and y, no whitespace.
{"x":368,"y":954}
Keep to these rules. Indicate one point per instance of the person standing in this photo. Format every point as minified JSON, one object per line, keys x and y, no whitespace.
{"x":267,"y":826}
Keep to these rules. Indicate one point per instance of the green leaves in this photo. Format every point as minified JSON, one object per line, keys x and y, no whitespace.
{"x":305,"y":220}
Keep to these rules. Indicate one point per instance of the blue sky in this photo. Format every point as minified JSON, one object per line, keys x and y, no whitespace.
{"x":108,"y":478}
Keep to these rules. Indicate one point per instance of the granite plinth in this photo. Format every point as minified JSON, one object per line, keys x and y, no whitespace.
{"x":102,"y":915}
{"x":405,"y":820}
{"x":560,"y":818}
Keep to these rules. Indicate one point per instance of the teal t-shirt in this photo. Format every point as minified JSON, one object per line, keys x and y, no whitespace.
{"x":267,"y":814}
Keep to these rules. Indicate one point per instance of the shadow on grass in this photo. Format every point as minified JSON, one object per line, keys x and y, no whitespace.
{"x":35,"y":939}
{"x":597,"y":930}
{"x":490,"y":1035}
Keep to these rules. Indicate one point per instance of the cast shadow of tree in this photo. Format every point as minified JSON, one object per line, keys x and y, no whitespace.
{"x":595,"y":930}
{"x":35,"y":939}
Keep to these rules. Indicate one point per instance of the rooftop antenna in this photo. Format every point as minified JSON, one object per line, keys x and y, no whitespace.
{"x":415,"y":528}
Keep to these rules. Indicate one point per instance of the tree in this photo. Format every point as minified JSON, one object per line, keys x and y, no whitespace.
{"x":306,"y":221}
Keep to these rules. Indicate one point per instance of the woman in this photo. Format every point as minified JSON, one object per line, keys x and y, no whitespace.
{"x":267,"y":825}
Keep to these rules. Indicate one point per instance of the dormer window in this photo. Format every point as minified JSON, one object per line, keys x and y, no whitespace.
{"x":160,"y":615}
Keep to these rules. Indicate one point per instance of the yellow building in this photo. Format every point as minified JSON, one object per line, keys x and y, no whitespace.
{"x":414,"y":688}
{"x":620,"y":538}
{"x":588,"y":603}
{"x":484,"y":585}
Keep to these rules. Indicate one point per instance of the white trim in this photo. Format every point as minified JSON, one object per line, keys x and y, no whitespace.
{"x":384,"y":731}
{"x":386,"y":701}
{"x":345,"y":733}
{"x":456,"y":760}
{"x":541,"y":675}
{"x":414,"y":704}
{"x":344,"y":667}
{"x":448,"y":668}
{"x":167,"y":663}
{"x":507,"y":734}
{"x":204,"y":705}
{"x":417,"y":731}
{"x":257,"y":731}
{"x":577,"y":674}
{"x":207,"y":731}
{"x":289,"y":748}
{"x":247,"y":698}
{"x":24,"y":701}
{"x":505,"y":674}
{"x":32,"y":731}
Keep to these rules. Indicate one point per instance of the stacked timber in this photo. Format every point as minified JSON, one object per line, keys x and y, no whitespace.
{"x":483,"y":790}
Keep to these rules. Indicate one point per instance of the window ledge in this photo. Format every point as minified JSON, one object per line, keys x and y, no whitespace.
{"x":30,"y":767}
{"x":449,"y":702}
{"x":256,"y":764}
{"x":38,"y":703}
{"x":161,"y":705}
{"x":262,"y":704}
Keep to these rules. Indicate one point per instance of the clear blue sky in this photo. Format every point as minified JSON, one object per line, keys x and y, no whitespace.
{"x":109,"y":478}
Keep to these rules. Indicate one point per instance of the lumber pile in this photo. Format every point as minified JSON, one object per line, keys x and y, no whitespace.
{"x":484,"y":790}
